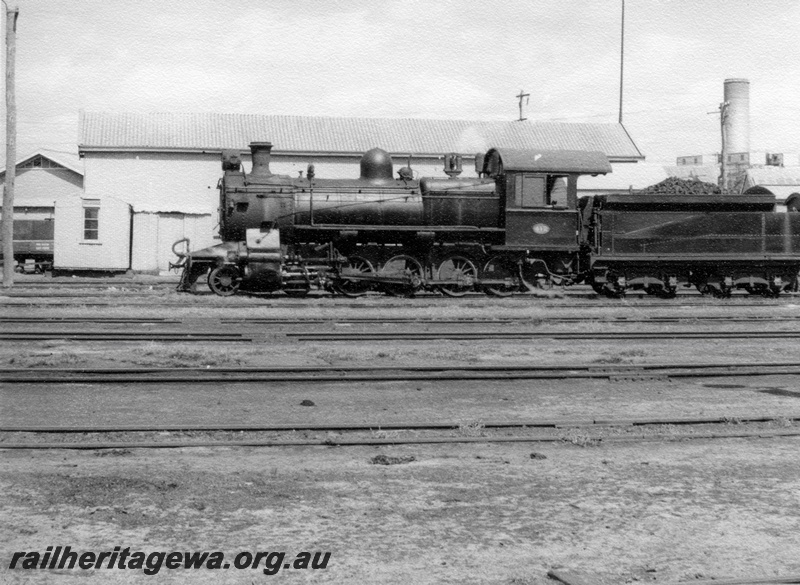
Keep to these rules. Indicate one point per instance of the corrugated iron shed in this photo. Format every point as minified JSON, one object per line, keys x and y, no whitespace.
{"x":101,"y":131}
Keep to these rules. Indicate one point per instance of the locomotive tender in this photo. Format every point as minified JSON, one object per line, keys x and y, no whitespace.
{"x":518,"y":226}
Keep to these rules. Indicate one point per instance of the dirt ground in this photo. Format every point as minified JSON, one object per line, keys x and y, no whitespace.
{"x":651,"y":512}
{"x":658,"y":511}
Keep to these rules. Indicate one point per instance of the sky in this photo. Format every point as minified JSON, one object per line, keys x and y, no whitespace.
{"x":442,"y":59}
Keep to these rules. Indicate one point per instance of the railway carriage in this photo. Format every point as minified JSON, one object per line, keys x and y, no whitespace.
{"x":518,"y":225}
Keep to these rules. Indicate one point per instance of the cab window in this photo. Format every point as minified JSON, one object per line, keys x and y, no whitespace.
{"x":529,"y":191}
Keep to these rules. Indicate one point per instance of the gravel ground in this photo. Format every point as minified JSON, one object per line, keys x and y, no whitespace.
{"x":655,"y":511}
{"x":506,"y":514}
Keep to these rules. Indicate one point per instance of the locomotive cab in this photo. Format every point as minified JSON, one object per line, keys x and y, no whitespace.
{"x":539,"y":195}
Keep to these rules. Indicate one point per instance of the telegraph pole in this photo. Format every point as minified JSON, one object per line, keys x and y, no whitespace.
{"x":11,"y":148}
{"x":723,"y":117}
{"x":621,"y":59}
{"x":527,"y":98}
{"x":723,"y":174}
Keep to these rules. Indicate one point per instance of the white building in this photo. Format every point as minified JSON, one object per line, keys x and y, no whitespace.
{"x":45,"y":179}
{"x":165,"y":166}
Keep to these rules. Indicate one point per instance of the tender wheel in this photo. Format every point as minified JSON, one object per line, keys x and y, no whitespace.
{"x":460,"y":269}
{"x":499,"y":268}
{"x":717,"y":291}
{"x":774,"y":291}
{"x":608,"y":289}
{"x":405,"y":267}
{"x":703,"y":288}
{"x":662,"y":292}
{"x":224,"y":281}
{"x":355,"y":288}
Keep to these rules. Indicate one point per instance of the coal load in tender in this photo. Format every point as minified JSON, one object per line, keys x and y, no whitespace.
{"x":676,"y":186}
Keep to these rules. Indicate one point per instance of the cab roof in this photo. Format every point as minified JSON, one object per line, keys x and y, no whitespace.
{"x":500,"y":160}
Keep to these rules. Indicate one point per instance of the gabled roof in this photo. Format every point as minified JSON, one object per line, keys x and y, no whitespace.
{"x":68,"y":160}
{"x":323,"y":135}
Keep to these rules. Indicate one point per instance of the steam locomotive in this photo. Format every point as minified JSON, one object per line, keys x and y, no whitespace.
{"x":519,"y":225}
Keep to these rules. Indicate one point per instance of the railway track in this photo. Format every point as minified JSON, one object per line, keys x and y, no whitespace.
{"x":165,"y":336}
{"x":142,"y":375}
{"x":382,"y":303}
{"x":580,"y":434}
{"x":391,"y":336}
{"x":408,"y":426}
{"x":403,"y":320}
{"x":533,"y":335}
{"x":105,"y":320}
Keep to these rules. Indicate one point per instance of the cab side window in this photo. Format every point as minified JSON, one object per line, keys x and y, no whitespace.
{"x":529,"y":191}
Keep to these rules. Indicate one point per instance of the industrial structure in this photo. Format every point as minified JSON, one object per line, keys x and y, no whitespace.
{"x":737,"y":168}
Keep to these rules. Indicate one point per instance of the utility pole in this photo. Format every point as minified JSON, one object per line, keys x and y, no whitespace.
{"x":11,"y":149}
{"x":621,"y":59}
{"x":527,"y":98}
{"x":723,"y":117}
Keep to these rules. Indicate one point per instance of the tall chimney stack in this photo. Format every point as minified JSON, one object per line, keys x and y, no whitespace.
{"x":737,"y":116}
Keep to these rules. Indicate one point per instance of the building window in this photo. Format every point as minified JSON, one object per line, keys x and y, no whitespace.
{"x":91,"y":219}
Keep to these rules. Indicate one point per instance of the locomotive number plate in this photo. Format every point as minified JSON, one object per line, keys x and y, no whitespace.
{"x":541,"y":228}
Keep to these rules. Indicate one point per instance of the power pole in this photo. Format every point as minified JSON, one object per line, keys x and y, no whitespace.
{"x":723,"y":167}
{"x":621,"y":59}
{"x":527,"y":97}
{"x":11,"y":149}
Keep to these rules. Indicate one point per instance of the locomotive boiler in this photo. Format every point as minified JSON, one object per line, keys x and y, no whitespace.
{"x":518,"y":225}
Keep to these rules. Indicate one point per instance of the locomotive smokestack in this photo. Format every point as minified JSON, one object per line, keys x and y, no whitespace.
{"x":737,"y":116}
{"x":260,"y":151}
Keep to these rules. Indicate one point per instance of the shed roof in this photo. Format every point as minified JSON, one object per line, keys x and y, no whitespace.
{"x":102,"y":131}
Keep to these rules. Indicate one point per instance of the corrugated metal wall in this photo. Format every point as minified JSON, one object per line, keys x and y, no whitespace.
{"x":154,"y":234}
